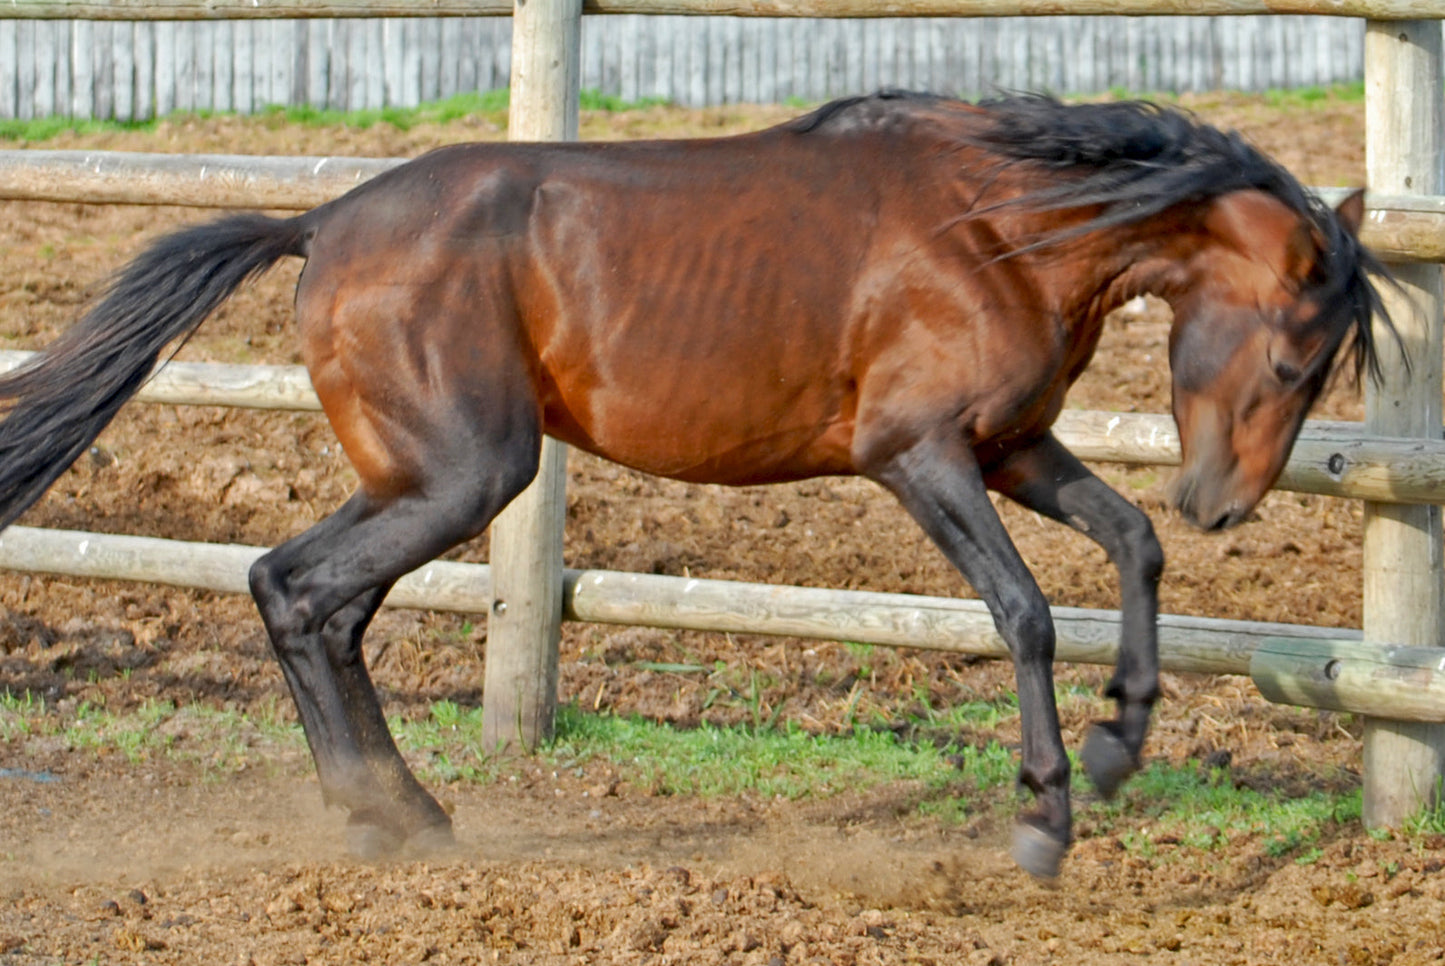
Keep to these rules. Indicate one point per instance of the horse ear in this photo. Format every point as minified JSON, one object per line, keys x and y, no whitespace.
{"x":1302,"y":250}
{"x":1351,"y":211}
{"x":1306,"y":242}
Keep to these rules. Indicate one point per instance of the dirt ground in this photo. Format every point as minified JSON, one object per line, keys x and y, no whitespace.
{"x":105,"y":860}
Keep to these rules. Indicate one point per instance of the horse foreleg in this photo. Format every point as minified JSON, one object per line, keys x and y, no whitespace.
{"x":939,"y":482}
{"x":1047,"y":478}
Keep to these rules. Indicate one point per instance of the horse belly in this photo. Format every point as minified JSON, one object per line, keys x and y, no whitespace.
{"x":709,"y":425}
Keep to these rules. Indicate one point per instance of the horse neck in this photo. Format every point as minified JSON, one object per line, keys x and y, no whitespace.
{"x":1160,"y":256}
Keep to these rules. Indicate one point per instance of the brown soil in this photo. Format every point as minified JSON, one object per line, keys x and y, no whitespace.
{"x":161,"y":862}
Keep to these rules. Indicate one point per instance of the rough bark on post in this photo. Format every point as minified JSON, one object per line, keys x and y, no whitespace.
{"x":519,"y":701}
{"x":1404,"y":591}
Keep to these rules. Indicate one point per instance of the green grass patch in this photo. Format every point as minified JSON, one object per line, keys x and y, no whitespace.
{"x":1284,"y":98}
{"x":1162,"y":809}
{"x":1205,"y":809}
{"x":1316,"y":96}
{"x":222,"y":742}
{"x":492,"y":104}
{"x":711,"y":761}
{"x":444,"y":111}
{"x":707,"y":761}
{"x":45,"y":128}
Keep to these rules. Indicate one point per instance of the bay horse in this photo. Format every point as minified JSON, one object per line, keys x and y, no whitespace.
{"x":901,"y":286}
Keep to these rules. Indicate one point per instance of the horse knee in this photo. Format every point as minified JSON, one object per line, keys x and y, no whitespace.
{"x":1142,"y":551}
{"x":1029,"y":631}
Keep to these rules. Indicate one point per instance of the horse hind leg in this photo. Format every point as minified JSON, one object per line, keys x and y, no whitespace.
{"x":317,"y":593}
{"x":369,"y":833}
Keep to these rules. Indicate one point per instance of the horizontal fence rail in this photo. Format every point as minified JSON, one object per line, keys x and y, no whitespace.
{"x":195,"y":180}
{"x":1329,"y":458}
{"x":1320,"y":667}
{"x":1293,"y":663}
{"x":1400,"y":228}
{"x":963,"y":626}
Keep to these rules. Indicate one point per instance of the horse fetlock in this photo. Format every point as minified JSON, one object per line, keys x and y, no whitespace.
{"x":1048,"y":779}
{"x":1107,"y":759}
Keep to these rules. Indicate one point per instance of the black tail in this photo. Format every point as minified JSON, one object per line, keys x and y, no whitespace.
{"x":58,"y":404}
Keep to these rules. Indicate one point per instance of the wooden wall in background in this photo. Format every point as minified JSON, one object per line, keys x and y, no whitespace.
{"x":139,"y":70}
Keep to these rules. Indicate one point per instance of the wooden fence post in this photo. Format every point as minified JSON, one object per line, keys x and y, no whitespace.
{"x":519,"y":701}
{"x":1403,"y":587}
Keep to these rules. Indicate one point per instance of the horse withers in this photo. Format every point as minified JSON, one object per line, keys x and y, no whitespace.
{"x":899,"y":286}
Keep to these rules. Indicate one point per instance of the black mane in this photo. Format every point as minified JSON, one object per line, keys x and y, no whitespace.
{"x":846,"y":109}
{"x":1135,"y":159}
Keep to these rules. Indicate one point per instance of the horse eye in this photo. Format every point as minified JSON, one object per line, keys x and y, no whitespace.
{"x":1287,"y":373}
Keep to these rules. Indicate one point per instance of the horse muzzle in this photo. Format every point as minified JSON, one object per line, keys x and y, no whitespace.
{"x":1211,"y":501}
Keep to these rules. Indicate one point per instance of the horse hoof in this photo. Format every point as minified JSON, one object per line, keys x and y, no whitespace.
{"x":1037,"y":852}
{"x":370,"y":842}
{"x":1106,"y":761}
{"x":432,"y":842}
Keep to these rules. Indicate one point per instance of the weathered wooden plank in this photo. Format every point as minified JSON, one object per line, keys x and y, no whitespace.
{"x":648,"y":55}
{"x":100,"y":82}
{"x":1335,"y":459}
{"x":318,"y":63}
{"x":47,"y":55}
{"x":468,"y":52}
{"x":279,"y":83}
{"x":439,"y":585}
{"x":410,"y":85}
{"x":1403,"y":570}
{"x":164,"y":75}
{"x":1399,"y":683}
{"x":143,"y":105}
{"x":963,"y":626}
{"x":524,"y":624}
{"x":1332,"y":459}
{"x":202,"y":39}
{"x":1398,"y":227}
{"x":223,"y":64}
{"x":185,"y":61}
{"x":25,"y":67}
{"x":355,"y":84}
{"x":207,"y":181}
{"x":9,"y":69}
{"x":63,"y":31}
{"x":629,"y":31}
{"x":431,"y":66}
{"x":451,"y":49}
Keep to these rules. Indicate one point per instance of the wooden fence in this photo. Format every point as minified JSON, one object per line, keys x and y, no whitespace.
{"x":137,"y":70}
{"x":1394,"y":464}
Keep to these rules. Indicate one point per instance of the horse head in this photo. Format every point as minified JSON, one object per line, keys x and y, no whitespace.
{"x":1272,"y":295}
